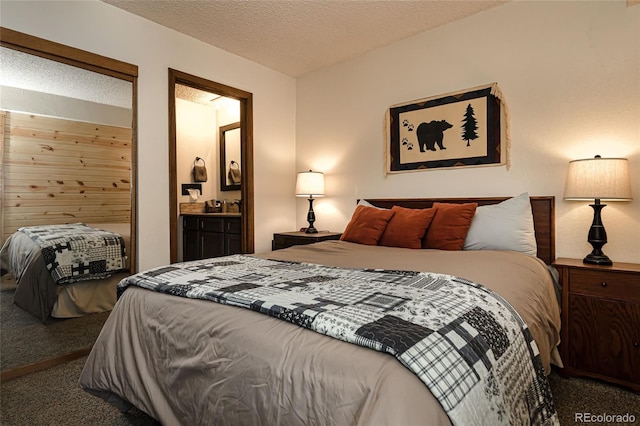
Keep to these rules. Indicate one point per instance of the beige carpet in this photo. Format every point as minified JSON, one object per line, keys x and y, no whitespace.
{"x":576,"y":396}
{"x":52,"y":397}
{"x":24,"y":339}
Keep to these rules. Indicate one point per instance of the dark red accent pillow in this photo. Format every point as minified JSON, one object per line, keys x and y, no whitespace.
{"x":407,"y":227}
{"x":450,"y":226}
{"x":367,"y":225}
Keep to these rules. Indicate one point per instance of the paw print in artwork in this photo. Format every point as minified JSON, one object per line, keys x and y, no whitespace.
{"x":405,"y":141}
{"x":409,"y":126}
{"x":409,"y":145}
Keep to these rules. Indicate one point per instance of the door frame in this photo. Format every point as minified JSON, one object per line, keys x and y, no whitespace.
{"x":246,"y":155}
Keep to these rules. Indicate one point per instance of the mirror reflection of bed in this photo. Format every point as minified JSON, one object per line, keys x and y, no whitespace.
{"x":67,"y":162}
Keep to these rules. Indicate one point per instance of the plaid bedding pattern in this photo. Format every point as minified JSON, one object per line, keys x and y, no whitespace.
{"x":77,"y":252}
{"x":463,"y":341}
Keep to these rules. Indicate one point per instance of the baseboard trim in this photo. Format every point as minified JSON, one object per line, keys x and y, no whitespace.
{"x":14,"y":373}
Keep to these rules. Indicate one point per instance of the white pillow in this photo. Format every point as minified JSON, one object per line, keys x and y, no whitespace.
{"x":363,"y":202}
{"x":504,"y":226}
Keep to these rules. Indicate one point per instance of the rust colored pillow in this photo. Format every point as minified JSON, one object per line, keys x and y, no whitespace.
{"x":450,"y":225}
{"x":407,"y":227}
{"x":367,"y":225}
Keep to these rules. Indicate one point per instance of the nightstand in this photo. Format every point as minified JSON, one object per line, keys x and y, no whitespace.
{"x":287,"y":239}
{"x":601,"y":321}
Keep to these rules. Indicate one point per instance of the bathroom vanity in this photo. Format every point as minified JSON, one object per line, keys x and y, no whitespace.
{"x":206,"y":235}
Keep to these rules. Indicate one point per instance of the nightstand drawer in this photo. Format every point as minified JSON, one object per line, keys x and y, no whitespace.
{"x":288,"y":239}
{"x":610,"y":285}
{"x":283,"y":241}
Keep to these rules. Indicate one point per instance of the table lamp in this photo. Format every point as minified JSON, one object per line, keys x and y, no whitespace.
{"x":598,"y":179}
{"x":310,"y":184}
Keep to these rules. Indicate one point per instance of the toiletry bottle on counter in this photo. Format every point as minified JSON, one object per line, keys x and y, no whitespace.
{"x":225,"y":206}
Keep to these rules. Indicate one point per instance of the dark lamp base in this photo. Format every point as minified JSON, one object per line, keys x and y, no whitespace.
{"x":597,"y":259}
{"x":597,"y":237}
{"x":311,"y":218}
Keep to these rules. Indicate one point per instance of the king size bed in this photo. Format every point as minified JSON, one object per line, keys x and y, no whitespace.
{"x":354,"y":331}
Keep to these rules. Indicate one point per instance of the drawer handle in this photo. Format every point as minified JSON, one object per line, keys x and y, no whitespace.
{"x":636,"y":345}
{"x":603,"y":284}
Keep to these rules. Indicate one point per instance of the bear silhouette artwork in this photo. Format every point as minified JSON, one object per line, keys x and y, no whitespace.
{"x":431,"y":133}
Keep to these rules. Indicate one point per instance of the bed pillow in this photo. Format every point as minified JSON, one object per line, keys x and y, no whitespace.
{"x":407,"y":227}
{"x":449,"y":227}
{"x":367,"y":225}
{"x":365,"y":203}
{"x":504,"y":226}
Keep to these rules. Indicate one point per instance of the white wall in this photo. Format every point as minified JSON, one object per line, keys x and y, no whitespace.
{"x":570,"y":72}
{"x":196,"y":136}
{"x":50,"y":105}
{"x":106,"y":30}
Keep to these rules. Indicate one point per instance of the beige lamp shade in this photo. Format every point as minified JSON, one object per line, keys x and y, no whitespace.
{"x":310,"y":184}
{"x":598,"y":178}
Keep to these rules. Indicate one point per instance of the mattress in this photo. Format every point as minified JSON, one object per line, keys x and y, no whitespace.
{"x":186,"y":361}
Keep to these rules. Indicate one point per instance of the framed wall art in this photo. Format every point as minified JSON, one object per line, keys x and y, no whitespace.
{"x":460,"y":129}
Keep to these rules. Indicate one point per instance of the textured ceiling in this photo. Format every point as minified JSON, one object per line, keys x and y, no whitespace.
{"x":195,"y":95}
{"x":25,"y":71}
{"x":300,"y":36}
{"x":209,"y":99}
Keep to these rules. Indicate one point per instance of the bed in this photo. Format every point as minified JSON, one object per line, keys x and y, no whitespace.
{"x":192,"y":361}
{"x":44,"y":294}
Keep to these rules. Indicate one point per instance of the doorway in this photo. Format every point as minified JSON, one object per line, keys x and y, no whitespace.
{"x":245,"y":99}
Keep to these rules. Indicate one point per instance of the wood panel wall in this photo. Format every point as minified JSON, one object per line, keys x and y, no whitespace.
{"x":57,"y":171}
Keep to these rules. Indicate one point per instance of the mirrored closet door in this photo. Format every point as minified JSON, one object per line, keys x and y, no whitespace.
{"x":68,"y":155}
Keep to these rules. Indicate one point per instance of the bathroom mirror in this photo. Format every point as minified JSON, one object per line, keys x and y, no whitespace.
{"x":230,"y":165}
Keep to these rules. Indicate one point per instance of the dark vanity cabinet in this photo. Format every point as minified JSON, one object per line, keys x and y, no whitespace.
{"x":205,"y":236}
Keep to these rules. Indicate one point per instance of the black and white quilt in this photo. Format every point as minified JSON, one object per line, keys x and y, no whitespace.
{"x":77,"y":252}
{"x":465,"y":342}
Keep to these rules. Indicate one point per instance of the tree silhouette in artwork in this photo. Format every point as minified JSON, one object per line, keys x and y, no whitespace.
{"x":469,"y":125}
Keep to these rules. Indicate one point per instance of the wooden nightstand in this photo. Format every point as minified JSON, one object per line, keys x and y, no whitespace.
{"x":601,"y":321}
{"x":287,"y":239}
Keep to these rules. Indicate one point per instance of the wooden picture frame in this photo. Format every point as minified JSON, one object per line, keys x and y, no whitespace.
{"x":460,"y":129}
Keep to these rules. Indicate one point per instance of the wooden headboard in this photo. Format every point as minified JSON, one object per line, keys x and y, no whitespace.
{"x":543,"y":209}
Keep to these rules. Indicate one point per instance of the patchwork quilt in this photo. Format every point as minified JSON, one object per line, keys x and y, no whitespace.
{"x":77,"y":252}
{"x":463,"y":341}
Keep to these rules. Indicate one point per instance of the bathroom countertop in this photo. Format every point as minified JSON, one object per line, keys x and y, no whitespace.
{"x":198,"y":209}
